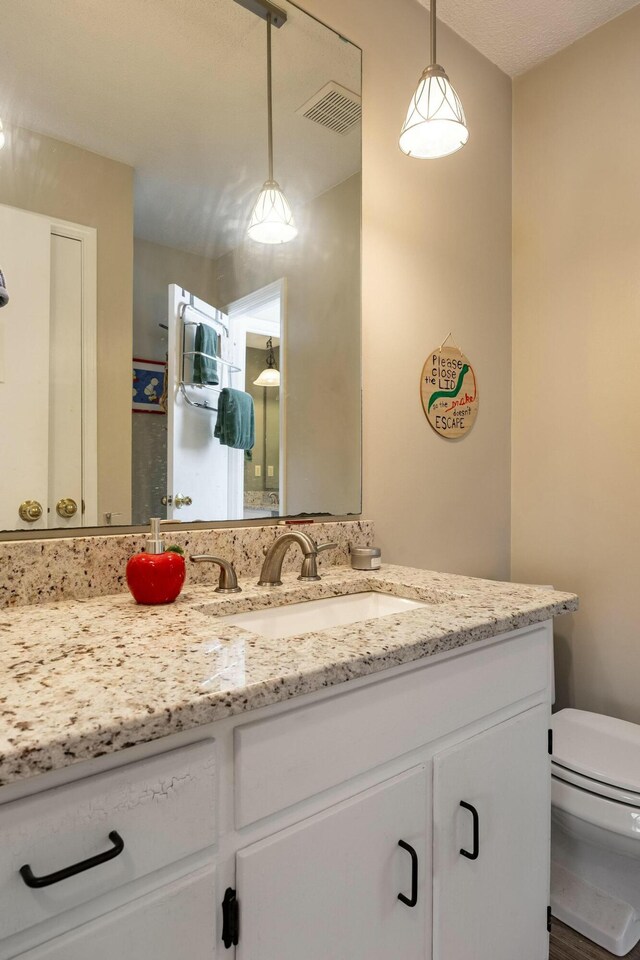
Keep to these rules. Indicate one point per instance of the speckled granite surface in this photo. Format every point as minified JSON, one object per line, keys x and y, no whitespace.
{"x":37,"y":571}
{"x":84,"y":678}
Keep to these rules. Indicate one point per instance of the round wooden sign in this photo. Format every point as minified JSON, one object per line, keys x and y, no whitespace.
{"x":449,"y":392}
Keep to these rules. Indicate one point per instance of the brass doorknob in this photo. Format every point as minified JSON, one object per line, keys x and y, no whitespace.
{"x":66,"y":508}
{"x":30,"y":510}
{"x":180,"y":501}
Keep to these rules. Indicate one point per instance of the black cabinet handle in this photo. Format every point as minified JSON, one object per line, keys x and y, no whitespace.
{"x":476,"y":832}
{"x":31,"y":880}
{"x":410,"y":901}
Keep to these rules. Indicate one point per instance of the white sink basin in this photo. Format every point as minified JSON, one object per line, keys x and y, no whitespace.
{"x":296,"y":618}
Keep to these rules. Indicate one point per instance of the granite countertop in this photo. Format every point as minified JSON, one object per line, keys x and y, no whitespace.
{"x":83,"y":678}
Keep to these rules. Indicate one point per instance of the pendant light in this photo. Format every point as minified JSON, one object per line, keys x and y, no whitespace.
{"x":272,"y":220}
{"x":435,"y":124}
{"x":270,"y":376}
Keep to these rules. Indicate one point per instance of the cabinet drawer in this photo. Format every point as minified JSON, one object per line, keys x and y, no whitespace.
{"x":158,"y":926}
{"x":302,"y":752}
{"x":162,"y":809}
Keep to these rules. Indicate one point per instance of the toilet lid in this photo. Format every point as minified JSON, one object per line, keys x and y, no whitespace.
{"x":599,"y":747}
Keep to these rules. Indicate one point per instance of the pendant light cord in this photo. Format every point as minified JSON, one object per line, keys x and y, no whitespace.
{"x":432,"y":12}
{"x":270,"y":96}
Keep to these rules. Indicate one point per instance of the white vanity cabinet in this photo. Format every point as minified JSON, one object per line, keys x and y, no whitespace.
{"x":405,"y":814}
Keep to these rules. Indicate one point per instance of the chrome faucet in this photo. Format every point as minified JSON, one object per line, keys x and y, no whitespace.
{"x":228,"y":580}
{"x":272,"y":567}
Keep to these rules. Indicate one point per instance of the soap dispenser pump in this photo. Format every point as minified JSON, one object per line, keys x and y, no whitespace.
{"x":156,"y":575}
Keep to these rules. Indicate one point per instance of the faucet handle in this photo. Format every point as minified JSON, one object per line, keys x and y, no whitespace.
{"x":326,"y":546}
{"x":228,"y":580}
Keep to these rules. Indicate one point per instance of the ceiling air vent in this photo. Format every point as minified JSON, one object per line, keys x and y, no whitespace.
{"x":333,"y":107}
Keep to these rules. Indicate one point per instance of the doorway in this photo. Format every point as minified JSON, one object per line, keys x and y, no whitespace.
{"x":259,"y":322}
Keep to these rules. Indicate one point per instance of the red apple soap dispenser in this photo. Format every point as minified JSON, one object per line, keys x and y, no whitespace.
{"x":156,"y":575}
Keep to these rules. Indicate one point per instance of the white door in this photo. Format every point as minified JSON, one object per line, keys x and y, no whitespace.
{"x":174,"y":922}
{"x":47,"y":371}
{"x":327,"y":888}
{"x":25,"y":258}
{"x":491,"y":809}
{"x":199,"y":468}
{"x":65,"y":384}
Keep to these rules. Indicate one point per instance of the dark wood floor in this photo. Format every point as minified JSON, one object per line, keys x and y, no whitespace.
{"x":566,"y":944}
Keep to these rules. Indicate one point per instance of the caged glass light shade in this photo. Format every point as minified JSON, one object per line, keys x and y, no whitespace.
{"x":272,"y":220}
{"x":436,"y":125}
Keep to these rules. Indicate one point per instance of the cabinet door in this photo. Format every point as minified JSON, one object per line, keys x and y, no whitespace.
{"x":493,"y":907}
{"x":174,"y":922}
{"x":327,"y":888}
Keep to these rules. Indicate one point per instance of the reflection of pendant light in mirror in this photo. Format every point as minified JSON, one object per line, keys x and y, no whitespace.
{"x":2,"y":136}
{"x":270,"y":376}
{"x":435,"y":124}
{"x":272,"y":220}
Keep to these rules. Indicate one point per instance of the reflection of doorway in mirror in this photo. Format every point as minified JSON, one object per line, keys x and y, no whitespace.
{"x":204,"y":476}
{"x":48,"y":376}
{"x":258,"y":318}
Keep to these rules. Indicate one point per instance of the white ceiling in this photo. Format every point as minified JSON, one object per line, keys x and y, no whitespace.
{"x":518,"y":34}
{"x":177,"y":90}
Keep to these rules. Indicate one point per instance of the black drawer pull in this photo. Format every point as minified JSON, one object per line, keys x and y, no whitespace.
{"x":31,"y":880}
{"x":476,"y":832}
{"x":410,"y":901}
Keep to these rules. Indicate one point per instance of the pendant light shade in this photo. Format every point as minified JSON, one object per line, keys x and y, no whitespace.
{"x":270,"y":376}
{"x":271,"y":220}
{"x":435,"y":125}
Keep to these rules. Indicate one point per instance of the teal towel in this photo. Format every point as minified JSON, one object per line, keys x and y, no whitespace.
{"x":235,"y":426}
{"x":205,"y":370}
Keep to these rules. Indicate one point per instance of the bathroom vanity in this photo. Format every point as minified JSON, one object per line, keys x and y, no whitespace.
{"x":370,"y":790}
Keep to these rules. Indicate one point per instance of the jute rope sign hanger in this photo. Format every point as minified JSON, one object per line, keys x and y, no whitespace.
{"x":449,"y":391}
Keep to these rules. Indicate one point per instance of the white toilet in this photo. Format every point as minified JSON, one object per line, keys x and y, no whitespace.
{"x":595,"y":827}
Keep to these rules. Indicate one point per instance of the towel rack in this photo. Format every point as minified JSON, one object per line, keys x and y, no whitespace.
{"x":220,"y":363}
{"x":205,"y":316}
{"x":194,"y":403}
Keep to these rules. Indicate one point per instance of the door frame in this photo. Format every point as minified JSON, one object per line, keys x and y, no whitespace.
{"x":236,"y":311}
{"x":88,"y":237}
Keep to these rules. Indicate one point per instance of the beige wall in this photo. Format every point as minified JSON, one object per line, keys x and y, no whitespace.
{"x":59,"y":180}
{"x":576,"y":339}
{"x":155,"y":267}
{"x":321,"y":353}
{"x":436,"y":257}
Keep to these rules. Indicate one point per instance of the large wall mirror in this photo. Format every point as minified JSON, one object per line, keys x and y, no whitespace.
{"x":157,"y":356}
